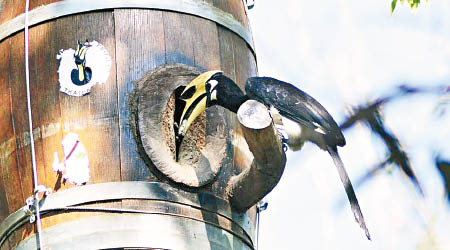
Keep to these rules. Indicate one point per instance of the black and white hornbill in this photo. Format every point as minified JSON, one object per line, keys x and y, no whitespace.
{"x":300,"y":117}
{"x":82,"y":75}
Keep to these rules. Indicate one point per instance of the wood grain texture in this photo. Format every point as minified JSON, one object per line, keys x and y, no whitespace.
{"x":138,"y":40}
{"x":4,"y":210}
{"x":11,"y":8}
{"x":65,"y":8}
{"x":243,"y":58}
{"x":6,"y":133}
{"x":205,"y":43}
{"x":46,"y":113}
{"x":38,"y":3}
{"x":244,"y":66}
{"x":93,"y":117}
{"x":20,"y":121}
{"x":226,"y":49}
{"x":236,"y":8}
{"x":45,"y":97}
{"x":242,"y":71}
{"x":12,"y":181}
{"x":255,"y":182}
{"x":17,"y":177}
{"x":5,"y":108}
{"x":225,"y":57}
{"x":178,"y":38}
{"x":139,"y":48}
{"x":198,"y":48}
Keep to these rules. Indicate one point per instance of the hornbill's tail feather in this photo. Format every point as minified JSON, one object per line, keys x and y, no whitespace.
{"x":349,"y":190}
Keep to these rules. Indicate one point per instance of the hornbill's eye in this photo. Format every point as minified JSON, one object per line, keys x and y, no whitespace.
{"x":211,"y":85}
{"x":211,"y":88}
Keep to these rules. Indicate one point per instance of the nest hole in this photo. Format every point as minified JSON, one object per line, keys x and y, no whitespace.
{"x":194,"y":141}
{"x":152,"y":105}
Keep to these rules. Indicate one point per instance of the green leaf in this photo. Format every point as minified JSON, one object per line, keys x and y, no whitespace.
{"x":414,"y":5}
{"x":394,"y":2}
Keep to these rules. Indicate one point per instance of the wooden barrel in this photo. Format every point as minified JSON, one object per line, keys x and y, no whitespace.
{"x":139,"y":37}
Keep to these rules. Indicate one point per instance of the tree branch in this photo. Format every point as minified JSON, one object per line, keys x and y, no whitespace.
{"x":256,"y":181}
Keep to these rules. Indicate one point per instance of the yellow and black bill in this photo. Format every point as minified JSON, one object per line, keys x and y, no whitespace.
{"x":196,"y":96}
{"x":80,"y":60}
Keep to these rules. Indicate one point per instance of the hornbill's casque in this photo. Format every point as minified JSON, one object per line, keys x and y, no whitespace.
{"x":302,"y":117}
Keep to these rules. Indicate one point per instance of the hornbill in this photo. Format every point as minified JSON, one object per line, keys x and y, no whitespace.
{"x":82,"y":75}
{"x":297,"y":115}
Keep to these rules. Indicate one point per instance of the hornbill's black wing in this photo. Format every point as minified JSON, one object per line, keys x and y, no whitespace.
{"x":300,"y":107}
{"x":294,"y":104}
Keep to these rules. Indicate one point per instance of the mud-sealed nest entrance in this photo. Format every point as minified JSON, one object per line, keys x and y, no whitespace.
{"x":152,"y":106}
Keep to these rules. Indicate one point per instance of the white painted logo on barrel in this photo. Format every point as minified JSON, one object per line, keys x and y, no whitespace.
{"x":79,"y":70}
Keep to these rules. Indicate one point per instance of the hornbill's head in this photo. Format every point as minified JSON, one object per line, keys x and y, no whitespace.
{"x":208,"y":89}
{"x":82,"y":74}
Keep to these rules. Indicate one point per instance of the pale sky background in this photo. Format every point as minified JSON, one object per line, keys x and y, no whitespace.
{"x":345,"y":53}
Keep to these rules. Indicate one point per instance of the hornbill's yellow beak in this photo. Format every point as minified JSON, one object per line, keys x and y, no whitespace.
{"x":195,"y":95}
{"x":80,"y":55}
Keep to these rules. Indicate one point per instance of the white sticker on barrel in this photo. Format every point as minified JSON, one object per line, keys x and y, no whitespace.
{"x":75,"y":164}
{"x":81,"y":68}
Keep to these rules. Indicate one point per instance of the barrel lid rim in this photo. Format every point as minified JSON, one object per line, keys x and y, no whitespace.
{"x":64,"y":8}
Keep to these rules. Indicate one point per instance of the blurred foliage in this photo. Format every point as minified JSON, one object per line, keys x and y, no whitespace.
{"x":371,"y":115}
{"x":250,"y":3}
{"x":444,"y":102}
{"x":412,"y":3}
{"x":443,"y":167}
{"x":429,"y":242}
